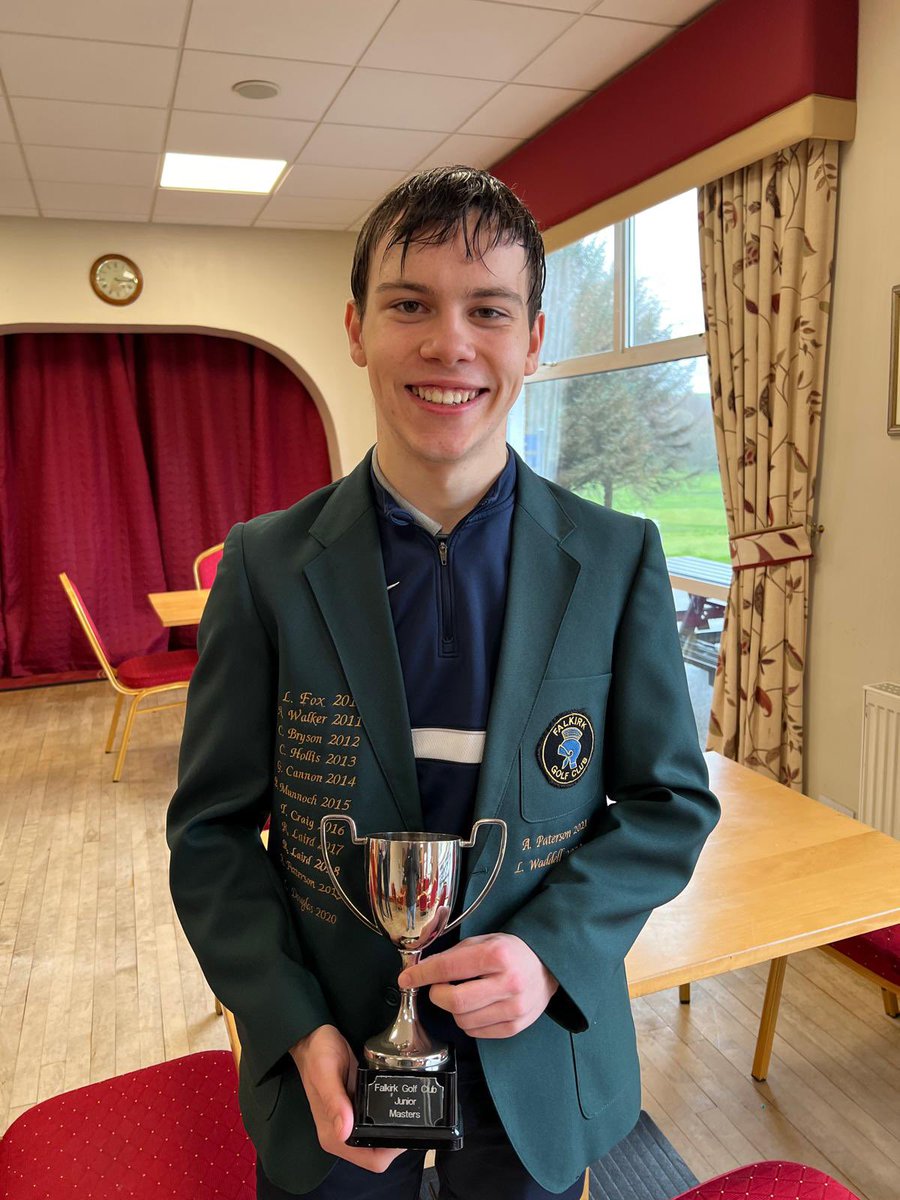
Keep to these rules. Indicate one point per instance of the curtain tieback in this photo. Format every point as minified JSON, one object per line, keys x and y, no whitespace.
{"x":767,"y":547}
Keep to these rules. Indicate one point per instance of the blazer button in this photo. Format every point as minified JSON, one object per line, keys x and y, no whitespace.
{"x":392,"y":995}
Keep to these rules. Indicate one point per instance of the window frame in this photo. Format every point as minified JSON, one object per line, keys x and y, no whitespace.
{"x":624,"y":353}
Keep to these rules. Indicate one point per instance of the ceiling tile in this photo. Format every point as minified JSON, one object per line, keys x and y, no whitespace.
{"x":336,"y":32}
{"x":251,"y":137}
{"x":591,"y":52}
{"x":92,"y":166}
{"x":402,"y":100}
{"x":94,"y":197}
{"x":101,"y":126}
{"x":661,"y":12}
{"x":573,"y":6}
{"x":205,"y":81}
{"x":308,"y":208}
{"x":73,"y":215}
{"x":206,"y":208}
{"x":16,"y":193}
{"x":467,"y":37}
{"x":155,"y":22}
{"x":67,"y":69}
{"x":7,"y":133}
{"x":12,"y":165}
{"x":520,"y":111}
{"x":348,"y":183}
{"x":360,"y":146}
{"x":470,"y":149}
{"x":298,"y":225}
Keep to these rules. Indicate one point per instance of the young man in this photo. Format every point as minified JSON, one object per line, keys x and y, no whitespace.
{"x":439,"y":637}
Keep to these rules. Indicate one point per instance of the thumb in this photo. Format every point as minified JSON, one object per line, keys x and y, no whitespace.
{"x":342,"y":1121}
{"x":335,"y":1104}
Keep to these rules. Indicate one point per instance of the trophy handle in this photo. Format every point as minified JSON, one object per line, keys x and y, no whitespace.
{"x":357,"y":841}
{"x":496,"y":871}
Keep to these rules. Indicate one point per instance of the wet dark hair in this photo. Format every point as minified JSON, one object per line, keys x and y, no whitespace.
{"x":431,"y":207}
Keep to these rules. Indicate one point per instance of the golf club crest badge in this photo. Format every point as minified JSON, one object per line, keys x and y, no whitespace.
{"x":566,"y":749}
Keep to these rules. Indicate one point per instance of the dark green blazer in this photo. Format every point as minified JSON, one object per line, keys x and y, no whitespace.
{"x":297,"y":644}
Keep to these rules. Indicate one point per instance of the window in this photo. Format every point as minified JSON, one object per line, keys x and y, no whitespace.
{"x":619,"y":411}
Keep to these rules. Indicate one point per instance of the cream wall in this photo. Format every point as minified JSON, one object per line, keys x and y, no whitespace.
{"x":855,"y":610}
{"x":284,"y":290}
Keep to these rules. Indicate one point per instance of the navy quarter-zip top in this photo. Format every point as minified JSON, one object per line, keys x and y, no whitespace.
{"x":447,"y":594}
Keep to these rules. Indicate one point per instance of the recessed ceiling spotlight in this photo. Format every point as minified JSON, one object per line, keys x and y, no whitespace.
{"x":255,"y":89}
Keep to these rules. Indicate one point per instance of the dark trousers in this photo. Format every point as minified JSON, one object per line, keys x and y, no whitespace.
{"x":486,"y":1168}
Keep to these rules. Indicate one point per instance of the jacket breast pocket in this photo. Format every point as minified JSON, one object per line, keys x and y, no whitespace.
{"x":562,"y":751}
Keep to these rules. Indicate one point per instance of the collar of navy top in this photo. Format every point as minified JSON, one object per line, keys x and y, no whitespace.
{"x":401,"y":512}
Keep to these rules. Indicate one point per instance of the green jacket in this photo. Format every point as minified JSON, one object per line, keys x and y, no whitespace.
{"x":297,"y":709}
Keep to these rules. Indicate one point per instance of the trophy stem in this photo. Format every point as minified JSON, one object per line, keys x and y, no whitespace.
{"x":405,"y":1045}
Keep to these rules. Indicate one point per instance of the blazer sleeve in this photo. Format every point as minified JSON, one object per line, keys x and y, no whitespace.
{"x":227,"y":893}
{"x":593,"y":905}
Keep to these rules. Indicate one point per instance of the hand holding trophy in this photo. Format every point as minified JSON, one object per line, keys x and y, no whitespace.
{"x":406,"y":1083}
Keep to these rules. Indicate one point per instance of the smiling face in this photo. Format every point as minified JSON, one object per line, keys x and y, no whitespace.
{"x":447,"y":341}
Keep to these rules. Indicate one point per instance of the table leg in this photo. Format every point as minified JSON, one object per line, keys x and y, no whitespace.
{"x":768,"y":1019}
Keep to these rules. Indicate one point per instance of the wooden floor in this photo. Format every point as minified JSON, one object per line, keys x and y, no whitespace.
{"x":96,"y":977}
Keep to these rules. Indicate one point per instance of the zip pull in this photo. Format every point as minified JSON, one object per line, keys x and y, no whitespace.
{"x":442,"y":550}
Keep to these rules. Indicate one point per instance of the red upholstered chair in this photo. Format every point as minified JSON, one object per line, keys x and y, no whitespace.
{"x":775,"y":1180}
{"x":172,"y":1130}
{"x":206,"y":564}
{"x":875,"y":956}
{"x":149,"y":675}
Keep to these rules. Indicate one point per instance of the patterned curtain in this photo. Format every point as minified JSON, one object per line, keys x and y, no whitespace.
{"x":766,"y":246}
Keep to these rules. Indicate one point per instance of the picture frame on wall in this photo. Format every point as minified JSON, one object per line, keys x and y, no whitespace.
{"x":893,"y":423}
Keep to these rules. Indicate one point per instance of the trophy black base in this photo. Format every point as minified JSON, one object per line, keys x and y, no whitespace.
{"x":407,"y":1110}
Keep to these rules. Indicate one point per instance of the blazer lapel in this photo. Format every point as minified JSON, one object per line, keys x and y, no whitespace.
{"x":541,"y":578}
{"x":347,"y":579}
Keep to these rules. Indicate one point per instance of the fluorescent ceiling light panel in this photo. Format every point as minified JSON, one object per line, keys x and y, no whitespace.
{"x":211,"y":173}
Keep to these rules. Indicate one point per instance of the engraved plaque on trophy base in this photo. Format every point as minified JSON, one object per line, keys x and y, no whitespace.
{"x":411,"y":1110}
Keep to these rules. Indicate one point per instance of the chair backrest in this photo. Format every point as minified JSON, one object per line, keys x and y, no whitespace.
{"x":206,"y":564}
{"x":87,"y":624}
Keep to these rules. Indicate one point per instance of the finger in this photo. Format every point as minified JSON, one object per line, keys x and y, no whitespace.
{"x":467,"y":960}
{"x":504,"y":1029}
{"x":370,"y":1160}
{"x":471,"y":995}
{"x":513,"y":1015}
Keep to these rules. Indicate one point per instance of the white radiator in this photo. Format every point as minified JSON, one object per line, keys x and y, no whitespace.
{"x":879,"y":776}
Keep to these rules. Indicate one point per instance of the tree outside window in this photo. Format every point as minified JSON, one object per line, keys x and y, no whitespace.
{"x":619,"y":410}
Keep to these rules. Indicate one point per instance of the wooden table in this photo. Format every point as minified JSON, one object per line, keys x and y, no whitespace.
{"x":700,"y":577}
{"x":779,"y":874}
{"x":179,"y":608}
{"x":706,"y":583}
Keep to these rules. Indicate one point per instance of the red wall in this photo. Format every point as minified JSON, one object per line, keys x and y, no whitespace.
{"x":738,"y":62}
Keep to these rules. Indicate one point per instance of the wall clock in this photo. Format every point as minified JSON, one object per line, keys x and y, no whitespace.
{"x":116,"y":279}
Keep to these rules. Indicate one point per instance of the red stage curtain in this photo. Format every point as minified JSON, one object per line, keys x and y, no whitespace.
{"x":122,"y":456}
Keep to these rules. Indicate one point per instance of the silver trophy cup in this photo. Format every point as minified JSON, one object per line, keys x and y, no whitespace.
{"x":411,"y":881}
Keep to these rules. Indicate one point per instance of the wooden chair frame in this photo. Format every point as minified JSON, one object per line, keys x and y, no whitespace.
{"x":889,"y":995}
{"x":201,"y":557}
{"x":772,"y":1001}
{"x":136,"y":694}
